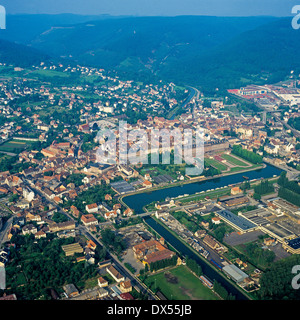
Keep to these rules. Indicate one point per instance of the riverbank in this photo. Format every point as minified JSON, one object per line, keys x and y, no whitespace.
{"x":182,"y":183}
{"x":208,"y":269}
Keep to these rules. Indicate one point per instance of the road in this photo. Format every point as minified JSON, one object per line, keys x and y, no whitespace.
{"x":5,"y":228}
{"x":84,"y":230}
{"x":295,"y":132}
{"x":120,"y":265}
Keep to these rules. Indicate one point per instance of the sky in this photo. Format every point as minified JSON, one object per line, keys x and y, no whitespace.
{"x":153,"y":7}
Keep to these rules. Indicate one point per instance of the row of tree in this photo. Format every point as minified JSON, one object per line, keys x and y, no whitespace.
{"x":264,"y":187}
{"x":222,"y":292}
{"x":247,"y":155}
{"x":194,"y":266}
{"x":289,"y":190}
{"x":161,"y":264}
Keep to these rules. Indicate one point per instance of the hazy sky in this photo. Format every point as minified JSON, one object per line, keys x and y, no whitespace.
{"x":154,"y":7}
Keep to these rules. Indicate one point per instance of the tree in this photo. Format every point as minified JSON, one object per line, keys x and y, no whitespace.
{"x":247,"y":155}
{"x":256,"y":196}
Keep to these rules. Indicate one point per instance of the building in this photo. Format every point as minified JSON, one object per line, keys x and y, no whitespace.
{"x":236,"y":190}
{"x":70,"y":290}
{"x":234,"y":273}
{"x":110,"y":215}
{"x":115,"y":273}
{"x":237,"y":222}
{"x":151,"y":251}
{"x":71,"y":249}
{"x":102,"y":293}
{"x":29,"y":229}
{"x":88,"y":220}
{"x":102,"y":282}
{"x":147,"y":184}
{"x":91,"y":208}
{"x":211,"y":242}
{"x":125,"y":286}
{"x":216,"y":220}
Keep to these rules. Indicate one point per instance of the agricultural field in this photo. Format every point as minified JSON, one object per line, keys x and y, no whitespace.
{"x":180,"y":284}
{"x":15,"y":146}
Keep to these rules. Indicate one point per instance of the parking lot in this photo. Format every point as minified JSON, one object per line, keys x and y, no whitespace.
{"x":234,"y":239}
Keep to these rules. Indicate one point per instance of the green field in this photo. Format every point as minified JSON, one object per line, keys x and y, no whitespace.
{"x":218,"y":165}
{"x":15,"y":146}
{"x":49,"y":73}
{"x":234,"y":160}
{"x":188,"y":286}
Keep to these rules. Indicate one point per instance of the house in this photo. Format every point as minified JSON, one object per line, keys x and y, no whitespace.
{"x":40,"y":234}
{"x":8,"y":297}
{"x":235,"y":190}
{"x":91,"y":245}
{"x":205,"y":224}
{"x":57,"y":199}
{"x":110,"y":215}
{"x":216,"y":220}
{"x":147,"y":184}
{"x":70,"y":290}
{"x":89,"y":220}
{"x":200,"y":233}
{"x":128,"y":212}
{"x":151,"y":251}
{"x":210,"y":242}
{"x":75,"y":211}
{"x":29,"y":229}
{"x":126,"y":296}
{"x":102,"y":293}
{"x":268,"y":241}
{"x":108,"y":197}
{"x":125,"y":286}
{"x":91,"y":208}
{"x":102,"y":282}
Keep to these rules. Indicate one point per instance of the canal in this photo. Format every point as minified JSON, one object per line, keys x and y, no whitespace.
{"x":138,"y":201}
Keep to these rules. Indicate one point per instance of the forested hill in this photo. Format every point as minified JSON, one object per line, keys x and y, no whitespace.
{"x":141,"y":45}
{"x":265,"y":54}
{"x":205,"y":52}
{"x":21,"y":55}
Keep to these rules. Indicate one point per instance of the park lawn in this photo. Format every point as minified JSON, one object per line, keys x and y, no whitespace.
{"x":189,"y":287}
{"x":218,"y":165}
{"x":234,"y":161}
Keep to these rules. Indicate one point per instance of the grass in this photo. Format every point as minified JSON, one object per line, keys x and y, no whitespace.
{"x":218,"y":165}
{"x":15,"y":146}
{"x":49,"y":73}
{"x":91,"y":283}
{"x":234,"y":160}
{"x":202,"y":196}
{"x":188,"y":286}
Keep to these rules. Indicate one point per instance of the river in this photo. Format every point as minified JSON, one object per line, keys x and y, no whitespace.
{"x":138,"y":201}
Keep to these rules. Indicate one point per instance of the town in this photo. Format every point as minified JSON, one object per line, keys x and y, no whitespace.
{"x":73,"y":228}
